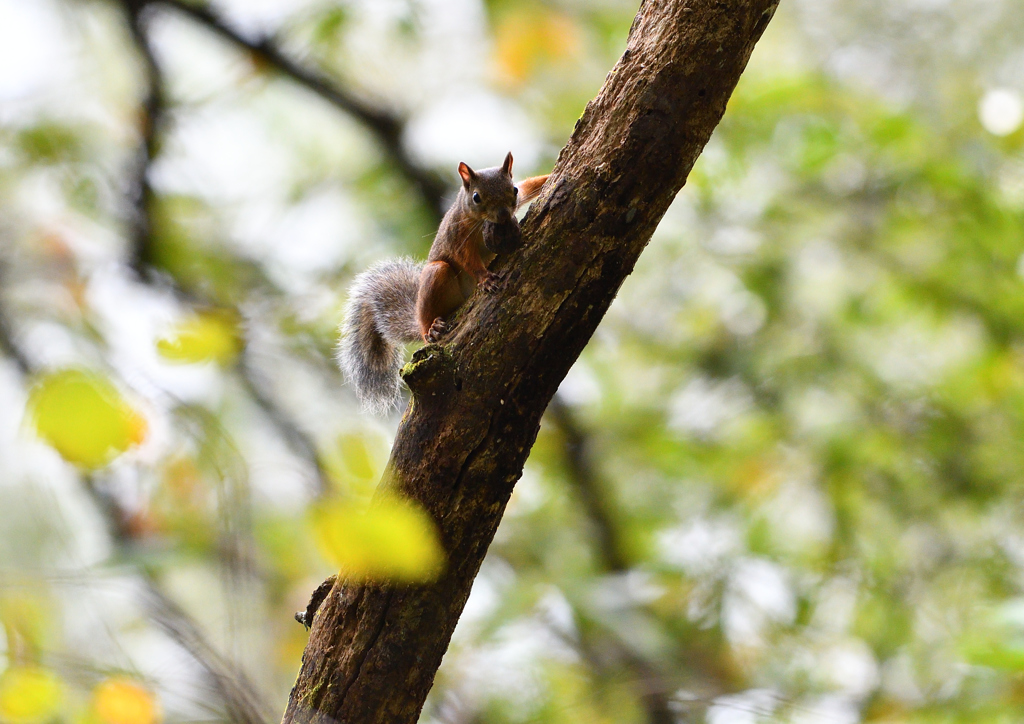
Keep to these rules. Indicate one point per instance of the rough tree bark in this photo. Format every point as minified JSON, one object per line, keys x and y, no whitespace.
{"x":478,"y":397}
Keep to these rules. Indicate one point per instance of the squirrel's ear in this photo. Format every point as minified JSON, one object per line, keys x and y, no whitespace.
{"x":466,"y":173}
{"x":507,"y":166}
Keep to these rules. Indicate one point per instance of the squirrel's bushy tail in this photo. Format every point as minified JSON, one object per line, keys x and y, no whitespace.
{"x":380,"y":316}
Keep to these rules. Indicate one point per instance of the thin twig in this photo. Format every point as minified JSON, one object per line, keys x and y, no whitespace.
{"x":8,"y":346}
{"x":152,"y":117}
{"x":296,"y":439}
{"x":244,"y":704}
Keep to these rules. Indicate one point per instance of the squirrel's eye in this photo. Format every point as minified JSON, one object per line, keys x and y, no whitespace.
{"x":476,"y":197}
{"x":515,"y":190}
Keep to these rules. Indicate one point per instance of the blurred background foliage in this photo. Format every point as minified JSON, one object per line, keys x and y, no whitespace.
{"x":783,"y":483}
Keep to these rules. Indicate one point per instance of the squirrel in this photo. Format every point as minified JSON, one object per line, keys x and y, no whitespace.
{"x":401,"y":300}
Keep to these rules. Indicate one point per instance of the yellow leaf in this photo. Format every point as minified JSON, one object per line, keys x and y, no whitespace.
{"x":120,"y":700}
{"x":206,"y":337}
{"x":529,"y":37}
{"x":355,"y":453}
{"x":356,"y":461}
{"x":84,"y":417}
{"x":28,"y":695}
{"x":26,"y":614}
{"x":391,"y":540}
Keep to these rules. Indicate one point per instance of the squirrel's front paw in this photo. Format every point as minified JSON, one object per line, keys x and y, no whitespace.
{"x":437,"y":329}
{"x":491,"y":283}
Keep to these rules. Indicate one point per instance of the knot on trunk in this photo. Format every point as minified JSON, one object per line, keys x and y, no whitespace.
{"x":430,"y":374}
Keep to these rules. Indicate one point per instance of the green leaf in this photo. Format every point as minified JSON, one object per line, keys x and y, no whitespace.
{"x":1006,"y":657}
{"x":50,"y":143}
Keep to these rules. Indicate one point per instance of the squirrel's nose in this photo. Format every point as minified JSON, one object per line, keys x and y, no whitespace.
{"x":503,"y":216}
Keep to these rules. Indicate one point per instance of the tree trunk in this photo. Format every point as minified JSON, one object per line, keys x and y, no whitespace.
{"x":479,"y":396}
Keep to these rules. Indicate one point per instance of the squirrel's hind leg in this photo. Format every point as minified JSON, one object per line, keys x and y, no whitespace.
{"x":439,"y":295}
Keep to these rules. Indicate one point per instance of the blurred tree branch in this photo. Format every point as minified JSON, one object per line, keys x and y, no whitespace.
{"x":581,"y":473}
{"x":651,"y":687}
{"x":387,"y":127}
{"x":141,"y":238}
{"x":140,"y":192}
{"x":652,"y":684}
{"x":477,"y":400}
{"x":9,"y":346}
